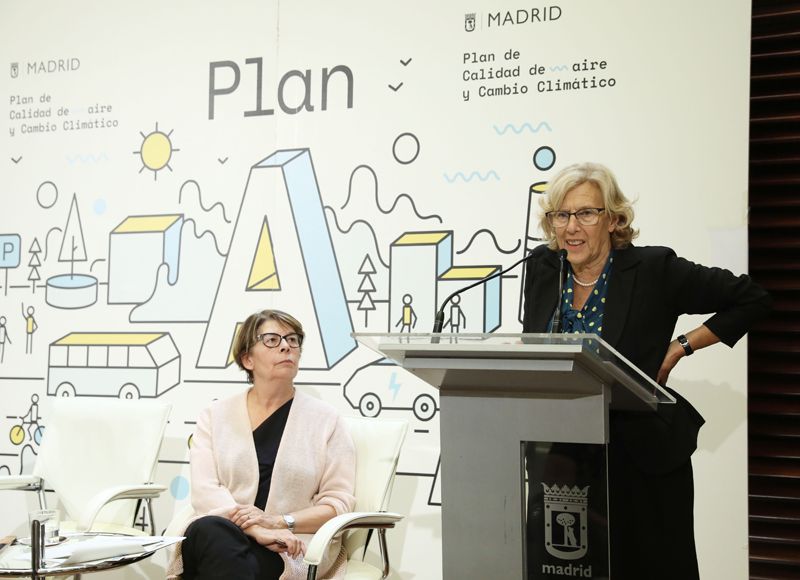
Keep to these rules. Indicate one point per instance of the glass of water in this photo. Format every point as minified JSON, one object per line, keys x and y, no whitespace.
{"x":51,"y":520}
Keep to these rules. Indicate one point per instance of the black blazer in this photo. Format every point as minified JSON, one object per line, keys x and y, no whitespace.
{"x":649,"y":288}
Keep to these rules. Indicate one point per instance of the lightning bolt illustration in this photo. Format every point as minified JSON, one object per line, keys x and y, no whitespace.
{"x":394,"y":386}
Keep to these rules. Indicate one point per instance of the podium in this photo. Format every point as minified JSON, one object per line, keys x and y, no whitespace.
{"x":524,"y":423}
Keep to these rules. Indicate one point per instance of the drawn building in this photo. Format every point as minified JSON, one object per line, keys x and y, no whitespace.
{"x":137,"y":247}
{"x":481,"y":305}
{"x":417,"y":260}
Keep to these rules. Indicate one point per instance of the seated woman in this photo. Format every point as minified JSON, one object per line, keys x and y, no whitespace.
{"x":269,"y":467}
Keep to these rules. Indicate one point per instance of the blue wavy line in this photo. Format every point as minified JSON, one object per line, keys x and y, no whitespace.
{"x":521,"y":129}
{"x":352,"y":225}
{"x":562,"y":67}
{"x":494,"y":239}
{"x":473,"y":174}
{"x":89,"y":157}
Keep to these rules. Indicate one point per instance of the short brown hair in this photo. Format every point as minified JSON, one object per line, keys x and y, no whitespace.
{"x":247,"y":337}
{"x":616,"y":204}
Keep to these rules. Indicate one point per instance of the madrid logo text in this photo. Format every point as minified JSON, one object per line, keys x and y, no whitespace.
{"x":566,"y":521}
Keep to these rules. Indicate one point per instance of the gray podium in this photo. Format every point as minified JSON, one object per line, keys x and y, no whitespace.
{"x":506,"y":401}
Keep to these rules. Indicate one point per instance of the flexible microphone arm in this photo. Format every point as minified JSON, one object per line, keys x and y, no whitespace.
{"x":557,"y":325}
{"x":439,"y":322}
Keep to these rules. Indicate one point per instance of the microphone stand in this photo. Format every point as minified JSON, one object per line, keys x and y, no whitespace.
{"x":557,"y":324}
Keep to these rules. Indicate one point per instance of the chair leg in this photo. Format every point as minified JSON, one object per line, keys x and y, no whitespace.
{"x":40,"y":493}
{"x":384,"y":551}
{"x":149,"y":502}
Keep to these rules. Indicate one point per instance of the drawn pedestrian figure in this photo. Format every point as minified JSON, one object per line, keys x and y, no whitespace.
{"x":32,"y":415}
{"x":30,"y":327}
{"x":409,"y":317}
{"x":3,"y":336}
{"x":456,"y":316}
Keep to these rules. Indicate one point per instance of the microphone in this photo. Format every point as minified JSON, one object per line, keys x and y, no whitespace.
{"x":557,"y":326}
{"x":439,"y":321}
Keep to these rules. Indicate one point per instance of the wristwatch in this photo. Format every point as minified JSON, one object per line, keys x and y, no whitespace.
{"x":684,"y":342}
{"x":289,"y":519}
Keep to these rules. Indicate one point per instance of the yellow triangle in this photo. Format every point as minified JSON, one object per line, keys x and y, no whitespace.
{"x":270,"y":283}
{"x":263,"y":273}
{"x":235,"y":334}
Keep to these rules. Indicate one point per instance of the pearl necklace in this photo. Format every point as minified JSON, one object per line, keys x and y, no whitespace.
{"x":586,"y":285}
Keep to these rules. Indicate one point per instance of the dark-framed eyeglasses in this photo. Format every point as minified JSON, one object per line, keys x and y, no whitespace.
{"x":587,"y":216}
{"x":273,"y":340}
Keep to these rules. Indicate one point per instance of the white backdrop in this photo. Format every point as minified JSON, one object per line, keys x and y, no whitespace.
{"x":423,"y":127}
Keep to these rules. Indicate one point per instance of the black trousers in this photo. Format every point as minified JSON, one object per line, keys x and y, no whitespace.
{"x":215,"y":548}
{"x":652,"y":521}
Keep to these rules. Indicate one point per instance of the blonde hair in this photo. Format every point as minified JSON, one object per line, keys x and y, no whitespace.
{"x":247,"y":337}
{"x":615,"y":202}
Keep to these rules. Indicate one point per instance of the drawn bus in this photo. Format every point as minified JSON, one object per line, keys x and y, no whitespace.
{"x":127,"y":365}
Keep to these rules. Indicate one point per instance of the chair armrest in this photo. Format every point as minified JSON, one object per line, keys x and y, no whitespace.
{"x":18,"y":481}
{"x":322,"y":539}
{"x":146,"y":491}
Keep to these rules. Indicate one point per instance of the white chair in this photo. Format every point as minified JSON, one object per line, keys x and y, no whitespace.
{"x":95,"y":451}
{"x":378,"y":443}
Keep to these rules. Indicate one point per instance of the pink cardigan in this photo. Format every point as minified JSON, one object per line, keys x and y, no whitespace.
{"x":315,"y":465}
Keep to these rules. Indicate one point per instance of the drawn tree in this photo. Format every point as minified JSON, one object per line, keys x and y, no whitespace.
{"x":366,"y":287}
{"x":73,"y":247}
{"x":34,"y":264}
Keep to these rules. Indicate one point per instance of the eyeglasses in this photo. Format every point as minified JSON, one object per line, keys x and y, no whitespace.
{"x":273,"y":340}
{"x":587,"y":216}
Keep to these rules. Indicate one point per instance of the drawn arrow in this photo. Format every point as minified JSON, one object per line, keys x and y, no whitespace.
{"x":397,"y":88}
{"x":16,"y":160}
{"x":405,"y":62}
{"x":222,"y":161}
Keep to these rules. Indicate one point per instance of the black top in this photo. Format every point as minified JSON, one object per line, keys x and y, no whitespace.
{"x":267,"y":440}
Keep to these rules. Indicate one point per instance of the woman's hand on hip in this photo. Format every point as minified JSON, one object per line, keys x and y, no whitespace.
{"x":698,"y":338}
{"x":245,"y":516}
{"x":674,"y":353}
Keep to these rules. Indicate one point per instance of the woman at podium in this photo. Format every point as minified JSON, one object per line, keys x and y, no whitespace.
{"x":632,"y":297}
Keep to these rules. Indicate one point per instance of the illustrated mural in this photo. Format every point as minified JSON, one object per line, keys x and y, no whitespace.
{"x":355,"y":184}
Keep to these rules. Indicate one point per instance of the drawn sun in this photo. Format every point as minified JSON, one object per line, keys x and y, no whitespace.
{"x":156,"y":151}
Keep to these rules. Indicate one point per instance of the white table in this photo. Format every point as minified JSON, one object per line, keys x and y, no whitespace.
{"x":34,"y":568}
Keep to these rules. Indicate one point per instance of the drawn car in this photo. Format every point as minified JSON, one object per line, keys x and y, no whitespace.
{"x":383,"y":385}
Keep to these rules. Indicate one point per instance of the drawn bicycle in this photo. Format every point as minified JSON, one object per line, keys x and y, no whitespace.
{"x":17,"y":434}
